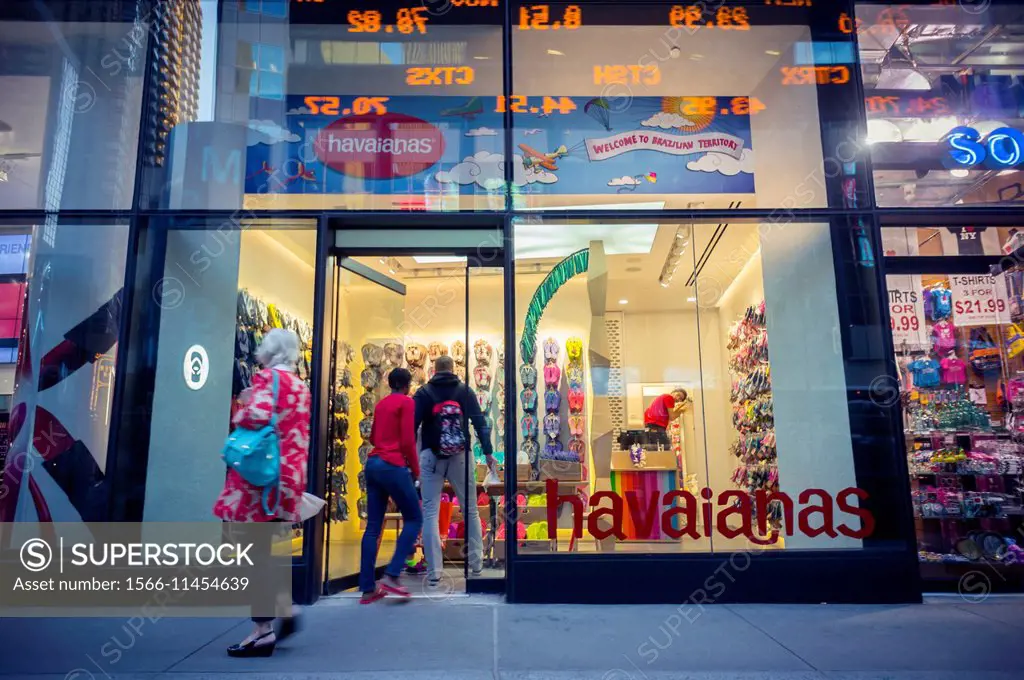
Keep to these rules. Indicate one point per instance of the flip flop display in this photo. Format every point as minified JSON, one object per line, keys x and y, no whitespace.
{"x":577,"y":448}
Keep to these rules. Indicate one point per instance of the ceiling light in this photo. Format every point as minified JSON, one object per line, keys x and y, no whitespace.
{"x":902,"y":79}
{"x":1007,"y":172}
{"x":960,"y":172}
{"x":664,"y":284}
{"x":623,"y":302}
{"x":691,"y":299}
{"x":556,"y":53}
{"x":774,"y":53}
{"x":883,"y":131}
{"x":697,"y":57}
{"x":481,"y":58}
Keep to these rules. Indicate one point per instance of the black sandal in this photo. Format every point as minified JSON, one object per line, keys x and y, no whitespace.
{"x":252,"y":648}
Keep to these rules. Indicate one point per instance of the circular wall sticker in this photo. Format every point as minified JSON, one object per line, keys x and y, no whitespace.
{"x":197,"y":367}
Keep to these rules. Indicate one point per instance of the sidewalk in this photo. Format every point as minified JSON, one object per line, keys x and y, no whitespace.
{"x":482,"y":638}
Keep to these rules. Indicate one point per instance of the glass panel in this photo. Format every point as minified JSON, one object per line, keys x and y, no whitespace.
{"x":370,"y":318}
{"x":711,"y":366}
{"x":931,"y":241}
{"x":930,"y":71}
{"x":72,"y":102}
{"x":219,"y":288}
{"x":60,"y":316}
{"x":644,"y":105}
{"x":427,"y":322}
{"x":486,"y":330}
{"x":960,"y":366}
{"x":358,"y":105}
{"x":603,"y":335}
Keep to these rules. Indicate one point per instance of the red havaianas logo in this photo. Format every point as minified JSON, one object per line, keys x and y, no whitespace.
{"x":380,"y":146}
{"x":684,"y":514}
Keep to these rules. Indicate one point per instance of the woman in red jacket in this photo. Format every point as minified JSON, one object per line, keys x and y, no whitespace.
{"x":240,"y":501}
{"x":391,"y":471}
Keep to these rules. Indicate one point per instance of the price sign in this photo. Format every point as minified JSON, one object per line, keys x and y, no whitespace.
{"x":977,"y":301}
{"x":906,"y":310}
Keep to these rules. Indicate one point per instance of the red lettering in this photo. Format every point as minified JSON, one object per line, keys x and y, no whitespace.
{"x":554,"y":502}
{"x":825,"y":508}
{"x":742,"y":508}
{"x":643,"y":518}
{"x":867,"y":520}
{"x":596,"y":530}
{"x":687,"y":511}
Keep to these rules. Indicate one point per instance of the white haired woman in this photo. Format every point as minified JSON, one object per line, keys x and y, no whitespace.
{"x":241,"y":501}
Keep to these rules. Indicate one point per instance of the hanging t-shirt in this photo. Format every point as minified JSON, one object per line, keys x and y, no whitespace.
{"x":943,"y":337}
{"x":968,"y":239}
{"x":925,"y":372}
{"x":942,"y":303}
{"x":954,"y":371}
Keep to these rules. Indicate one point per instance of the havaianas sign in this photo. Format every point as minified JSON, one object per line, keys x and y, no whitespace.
{"x":681,"y":513}
{"x":1000,"y":149}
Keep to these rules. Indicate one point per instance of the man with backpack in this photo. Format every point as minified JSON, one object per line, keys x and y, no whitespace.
{"x":444,"y":407}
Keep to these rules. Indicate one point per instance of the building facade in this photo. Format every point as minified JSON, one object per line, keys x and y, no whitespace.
{"x":784,"y":234}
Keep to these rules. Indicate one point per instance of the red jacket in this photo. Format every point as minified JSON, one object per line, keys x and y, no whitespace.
{"x":393,"y":434}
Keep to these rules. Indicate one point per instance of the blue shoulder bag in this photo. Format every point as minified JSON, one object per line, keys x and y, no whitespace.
{"x":256,"y":455}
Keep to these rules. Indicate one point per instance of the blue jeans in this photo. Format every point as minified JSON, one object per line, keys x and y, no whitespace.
{"x":384,"y":481}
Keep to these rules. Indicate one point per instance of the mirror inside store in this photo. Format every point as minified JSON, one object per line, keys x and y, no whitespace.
{"x":960,"y":353}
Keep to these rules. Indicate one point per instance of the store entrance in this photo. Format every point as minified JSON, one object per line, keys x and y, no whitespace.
{"x":405,"y":307}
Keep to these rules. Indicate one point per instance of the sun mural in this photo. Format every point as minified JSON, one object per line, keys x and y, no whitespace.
{"x":691,"y":109}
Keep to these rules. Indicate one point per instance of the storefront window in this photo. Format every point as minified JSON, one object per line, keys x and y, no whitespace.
{"x":211,"y":289}
{"x":354,"y":105}
{"x":72,"y":88}
{"x":959,"y":350}
{"x":60,"y":320}
{"x":943,"y":102}
{"x":959,"y":240}
{"x":691,"y":105}
{"x":669,"y":369}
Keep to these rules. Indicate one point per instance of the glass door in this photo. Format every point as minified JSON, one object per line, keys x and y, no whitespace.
{"x":368,"y":342}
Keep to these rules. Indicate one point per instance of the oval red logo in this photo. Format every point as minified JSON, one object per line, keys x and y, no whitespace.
{"x":379,"y":147}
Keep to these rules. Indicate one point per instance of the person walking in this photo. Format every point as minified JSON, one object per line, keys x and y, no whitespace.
{"x":443,"y":408}
{"x":392,"y":469}
{"x":277,"y":395}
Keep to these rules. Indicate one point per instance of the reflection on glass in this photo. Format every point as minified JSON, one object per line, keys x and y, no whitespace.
{"x":938,"y":138}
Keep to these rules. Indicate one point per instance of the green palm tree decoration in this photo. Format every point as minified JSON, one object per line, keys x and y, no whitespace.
{"x":571,"y":266}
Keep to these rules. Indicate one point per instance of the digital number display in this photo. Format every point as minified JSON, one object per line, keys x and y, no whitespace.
{"x":633,"y":74}
{"x":548,"y":105}
{"x":708,"y":106}
{"x":693,"y":16}
{"x":913,"y":106}
{"x":815,"y":75}
{"x":789,"y":3}
{"x":540,"y":18}
{"x":406,"y":21}
{"x":439,"y":75}
{"x":473,"y":3}
{"x":360,"y":106}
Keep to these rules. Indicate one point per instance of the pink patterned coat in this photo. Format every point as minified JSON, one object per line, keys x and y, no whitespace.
{"x":240,"y":501}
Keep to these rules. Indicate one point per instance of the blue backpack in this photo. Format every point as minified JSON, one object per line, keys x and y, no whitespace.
{"x":256,"y":455}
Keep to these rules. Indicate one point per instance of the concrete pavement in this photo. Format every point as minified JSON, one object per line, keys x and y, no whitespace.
{"x":482,"y":638}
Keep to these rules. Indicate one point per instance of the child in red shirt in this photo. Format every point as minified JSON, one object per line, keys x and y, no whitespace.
{"x":391,"y":470}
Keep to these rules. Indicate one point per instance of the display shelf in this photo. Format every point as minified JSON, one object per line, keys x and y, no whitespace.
{"x":655,"y":461}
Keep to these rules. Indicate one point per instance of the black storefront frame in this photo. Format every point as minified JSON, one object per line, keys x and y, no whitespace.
{"x":128,"y":403}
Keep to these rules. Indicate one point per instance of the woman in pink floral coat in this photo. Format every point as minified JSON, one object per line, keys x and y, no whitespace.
{"x":241,"y":501}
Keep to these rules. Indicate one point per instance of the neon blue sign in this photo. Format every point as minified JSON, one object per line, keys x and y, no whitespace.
{"x":1002,"y":148}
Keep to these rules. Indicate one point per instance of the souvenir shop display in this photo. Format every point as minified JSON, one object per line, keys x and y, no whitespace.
{"x":753,"y":414}
{"x":459,"y":357}
{"x":416,"y":361}
{"x":483,"y":353}
{"x":576,"y":398}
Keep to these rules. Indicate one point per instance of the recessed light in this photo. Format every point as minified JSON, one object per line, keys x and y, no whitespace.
{"x":556,"y":53}
{"x":691,"y":299}
{"x":623,"y":302}
{"x":697,"y":57}
{"x":774,"y":53}
{"x":960,"y":172}
{"x":481,"y":58}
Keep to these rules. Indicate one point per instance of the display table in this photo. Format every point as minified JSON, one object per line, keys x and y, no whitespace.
{"x":660,"y":475}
